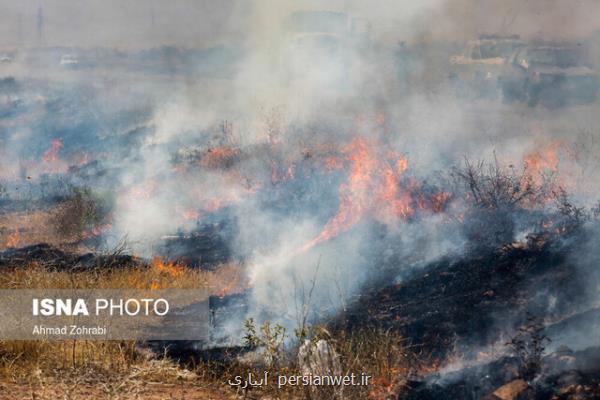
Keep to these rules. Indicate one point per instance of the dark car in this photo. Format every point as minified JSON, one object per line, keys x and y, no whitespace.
{"x":553,"y":76}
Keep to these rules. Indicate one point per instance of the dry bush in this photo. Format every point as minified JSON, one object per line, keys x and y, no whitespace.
{"x":493,"y":186}
{"x":572,"y":216}
{"x":498,"y":197}
{"x":220,"y":157}
{"x":384,"y":355}
{"x":80,"y":212}
{"x":528,"y":345}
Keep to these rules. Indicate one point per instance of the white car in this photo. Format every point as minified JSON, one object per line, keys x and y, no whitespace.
{"x":69,"y":60}
{"x":5,"y":59}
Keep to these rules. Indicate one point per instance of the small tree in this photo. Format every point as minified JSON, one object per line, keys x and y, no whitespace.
{"x":497,"y":193}
{"x":573,"y":215}
{"x":493,"y":186}
{"x":271,"y":338}
{"x":528,"y":346}
{"x":82,"y":210}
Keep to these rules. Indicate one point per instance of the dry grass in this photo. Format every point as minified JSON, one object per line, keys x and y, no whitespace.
{"x":121,"y":370}
{"x":139,"y":383}
{"x":97,"y":370}
{"x":78,"y":369}
{"x":225,"y":279}
{"x":24,"y":228}
{"x":383,"y":355}
{"x":44,"y":225}
{"x":386,"y":356}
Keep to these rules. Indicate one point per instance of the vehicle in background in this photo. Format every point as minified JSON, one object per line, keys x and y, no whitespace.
{"x":69,"y":60}
{"x":553,"y":76}
{"x":5,"y":59}
{"x":319,"y":47}
{"x":474,"y":72}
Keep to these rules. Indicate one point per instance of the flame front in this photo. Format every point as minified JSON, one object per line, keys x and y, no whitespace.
{"x":372,"y":187}
{"x":168,"y":268}
{"x":13,"y":240}
{"x":542,"y":161}
{"x":51,"y":155}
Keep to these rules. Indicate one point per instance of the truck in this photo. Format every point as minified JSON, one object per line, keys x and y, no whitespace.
{"x":550,"y":75}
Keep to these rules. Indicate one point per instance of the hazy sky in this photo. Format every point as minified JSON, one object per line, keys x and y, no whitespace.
{"x":201,"y":23}
{"x":123,"y":23}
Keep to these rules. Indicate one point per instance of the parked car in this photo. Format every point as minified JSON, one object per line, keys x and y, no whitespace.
{"x":475,"y":71}
{"x":553,"y":76}
{"x":69,"y":60}
{"x":319,"y":47}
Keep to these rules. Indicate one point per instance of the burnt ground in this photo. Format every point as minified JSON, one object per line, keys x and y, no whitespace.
{"x":450,"y":310}
{"x":566,"y":375}
{"x":205,"y":247}
{"x":55,"y":259}
{"x":475,"y":300}
{"x":453,"y":309}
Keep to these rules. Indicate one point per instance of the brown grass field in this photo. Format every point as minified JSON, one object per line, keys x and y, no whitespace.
{"x":106,"y":369}
{"x":122,"y":370}
{"x":73,"y":370}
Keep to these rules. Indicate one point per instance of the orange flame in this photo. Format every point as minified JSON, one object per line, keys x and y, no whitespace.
{"x":372,"y":186}
{"x":80,"y":159}
{"x":188,"y":214}
{"x":213,"y":205}
{"x":439,"y":201}
{"x":540,"y":168}
{"x":401,"y":165}
{"x":219,"y":157}
{"x":333,"y":163}
{"x":543,"y":160}
{"x":96,"y":230}
{"x":13,"y":240}
{"x":277,"y":173}
{"x":171,"y":269}
{"x":51,"y":155}
{"x":385,"y":384}
{"x":144,"y":191}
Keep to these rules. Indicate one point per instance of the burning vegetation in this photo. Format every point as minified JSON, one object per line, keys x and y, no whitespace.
{"x":433,"y":328}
